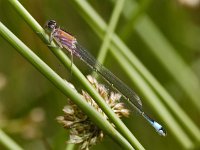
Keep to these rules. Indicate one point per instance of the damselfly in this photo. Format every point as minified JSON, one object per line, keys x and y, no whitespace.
{"x":68,"y":42}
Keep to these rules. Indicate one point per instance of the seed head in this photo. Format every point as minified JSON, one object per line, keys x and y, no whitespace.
{"x":81,"y":129}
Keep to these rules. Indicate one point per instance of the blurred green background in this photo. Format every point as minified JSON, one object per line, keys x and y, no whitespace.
{"x":29,"y":103}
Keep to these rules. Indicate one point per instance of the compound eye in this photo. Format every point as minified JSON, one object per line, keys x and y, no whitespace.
{"x":51,"y":24}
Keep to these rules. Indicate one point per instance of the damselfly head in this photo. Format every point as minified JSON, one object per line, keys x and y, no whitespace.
{"x":51,"y":25}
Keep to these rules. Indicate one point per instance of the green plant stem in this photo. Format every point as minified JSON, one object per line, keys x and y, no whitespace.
{"x":62,"y":85}
{"x":168,"y":100}
{"x":109,"y":31}
{"x":182,"y":117}
{"x":8,"y":142}
{"x":100,"y":27}
{"x":162,"y":49}
{"x":66,"y":61}
{"x":134,"y":16}
{"x":156,"y":104}
{"x":70,"y":146}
